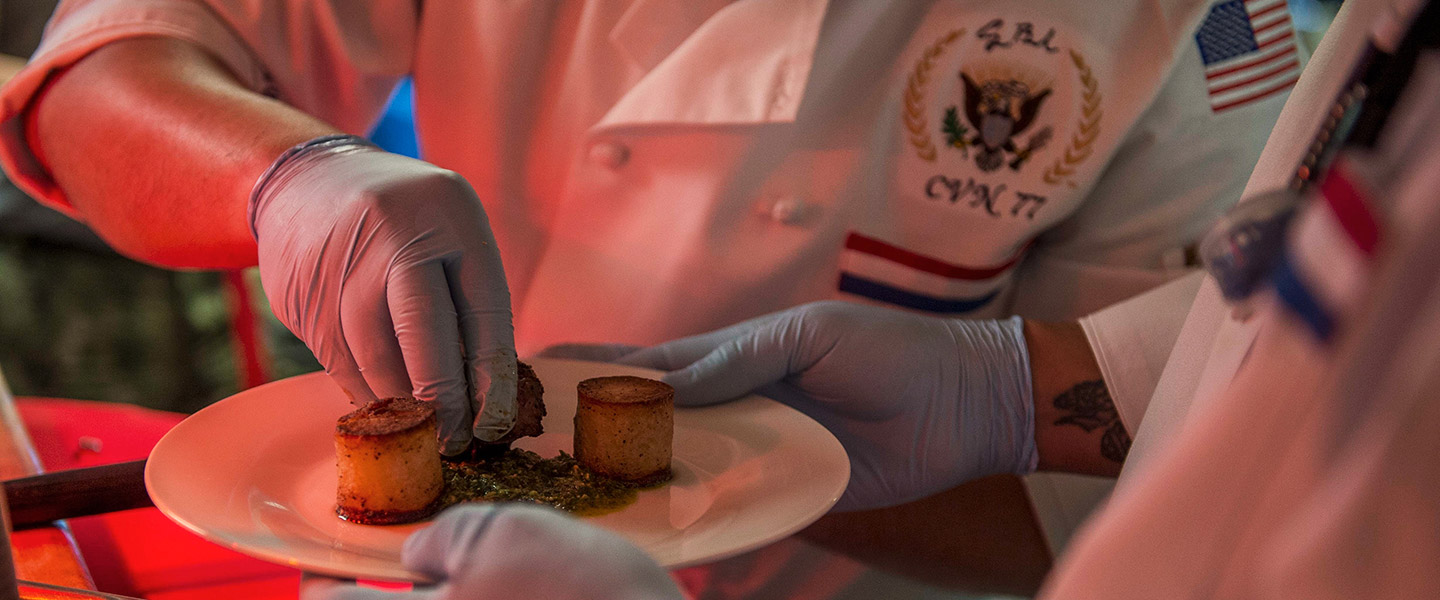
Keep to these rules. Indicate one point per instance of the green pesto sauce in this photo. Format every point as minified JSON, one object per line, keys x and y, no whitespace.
{"x":522,"y":476}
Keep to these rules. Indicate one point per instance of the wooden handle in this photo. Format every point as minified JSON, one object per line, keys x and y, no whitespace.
{"x":39,"y":500}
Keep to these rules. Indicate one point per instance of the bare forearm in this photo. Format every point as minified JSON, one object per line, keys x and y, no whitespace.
{"x":1077,"y":428}
{"x":157,"y":146}
{"x":982,"y":535}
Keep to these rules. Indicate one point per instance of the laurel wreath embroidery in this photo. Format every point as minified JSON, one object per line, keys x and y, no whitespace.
{"x":915,"y":119}
{"x":1087,"y":128}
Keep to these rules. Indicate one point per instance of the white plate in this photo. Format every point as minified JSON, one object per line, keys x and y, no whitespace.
{"x":256,"y":472}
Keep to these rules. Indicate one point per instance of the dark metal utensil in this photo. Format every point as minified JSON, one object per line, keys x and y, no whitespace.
{"x":39,"y":500}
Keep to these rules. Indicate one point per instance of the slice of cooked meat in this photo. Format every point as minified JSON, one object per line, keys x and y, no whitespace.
{"x":530,"y":405}
{"x":530,"y":410}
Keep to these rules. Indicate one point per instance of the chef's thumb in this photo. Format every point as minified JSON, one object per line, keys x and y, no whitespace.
{"x":676,"y":354}
{"x":320,"y":587}
{"x":482,"y":303}
{"x":607,"y":353}
{"x":733,"y":369}
{"x":443,"y":549}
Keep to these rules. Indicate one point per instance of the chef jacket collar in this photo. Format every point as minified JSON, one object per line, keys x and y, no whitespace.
{"x":715,"y":62}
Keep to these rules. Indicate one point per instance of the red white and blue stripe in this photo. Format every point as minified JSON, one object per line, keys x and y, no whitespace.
{"x":1248,"y":48}
{"x":881,"y":271}
{"x":1328,"y":261}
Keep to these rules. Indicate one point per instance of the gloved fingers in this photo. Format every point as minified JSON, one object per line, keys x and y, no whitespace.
{"x":734,"y":368}
{"x":528,"y":551}
{"x":323,"y":336}
{"x":677,"y":354}
{"x":487,"y":330}
{"x":591,"y":352}
{"x":428,"y":332}
{"x":369,"y":334}
{"x":320,"y":587}
{"x":444,"y":548}
{"x":347,"y":375}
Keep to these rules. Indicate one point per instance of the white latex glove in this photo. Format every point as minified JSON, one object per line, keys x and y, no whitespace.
{"x":921,"y":404}
{"x":484,"y":551}
{"x":606,"y":353}
{"x":386,"y":267}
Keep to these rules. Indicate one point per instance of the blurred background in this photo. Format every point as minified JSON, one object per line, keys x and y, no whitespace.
{"x":77,"y":320}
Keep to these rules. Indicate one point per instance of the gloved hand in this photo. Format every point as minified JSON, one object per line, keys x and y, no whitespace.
{"x":921,"y":404}
{"x":591,"y":352}
{"x":486,"y":551}
{"x":386,"y":267}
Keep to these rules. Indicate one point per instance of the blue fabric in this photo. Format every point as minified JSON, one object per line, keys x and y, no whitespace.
{"x":875,"y":290}
{"x":396,"y":130}
{"x":1226,"y":33}
{"x":1300,"y":300}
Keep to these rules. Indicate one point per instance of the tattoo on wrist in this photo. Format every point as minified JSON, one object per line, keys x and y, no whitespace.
{"x":1089,"y":407}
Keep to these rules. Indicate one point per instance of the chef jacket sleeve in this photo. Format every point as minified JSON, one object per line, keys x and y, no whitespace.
{"x":1132,"y":342}
{"x":1181,"y":166}
{"x":337,"y":60}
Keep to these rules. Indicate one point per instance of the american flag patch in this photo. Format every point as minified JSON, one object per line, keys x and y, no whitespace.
{"x":1248,"y":48}
{"x":886,"y":273}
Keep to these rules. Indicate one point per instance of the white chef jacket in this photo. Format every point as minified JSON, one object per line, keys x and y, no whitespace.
{"x":1155,"y":383}
{"x":1266,"y":464}
{"x":654,"y":169}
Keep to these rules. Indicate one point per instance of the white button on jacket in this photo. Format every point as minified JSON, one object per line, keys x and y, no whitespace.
{"x":610,"y":155}
{"x":788,"y":210}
